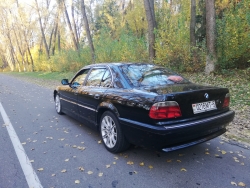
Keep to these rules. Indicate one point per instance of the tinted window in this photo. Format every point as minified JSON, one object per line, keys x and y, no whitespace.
{"x":106,"y":80}
{"x":80,"y":78}
{"x":150,"y":75}
{"x":95,"y":77}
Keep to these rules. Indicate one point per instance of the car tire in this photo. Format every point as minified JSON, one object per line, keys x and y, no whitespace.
{"x":58,"y":105}
{"x":111,"y":133}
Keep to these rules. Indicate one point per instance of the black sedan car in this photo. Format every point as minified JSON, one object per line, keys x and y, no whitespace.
{"x":144,"y":104}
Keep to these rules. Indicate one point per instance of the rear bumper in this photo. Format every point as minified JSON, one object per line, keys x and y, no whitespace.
{"x":177,"y":136}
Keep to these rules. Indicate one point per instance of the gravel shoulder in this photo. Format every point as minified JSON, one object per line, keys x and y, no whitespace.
{"x":238,"y":131}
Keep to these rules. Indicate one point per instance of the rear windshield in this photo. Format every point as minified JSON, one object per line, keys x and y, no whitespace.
{"x":150,"y":75}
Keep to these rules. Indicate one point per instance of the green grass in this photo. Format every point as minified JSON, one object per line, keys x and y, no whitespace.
{"x":44,"y":75}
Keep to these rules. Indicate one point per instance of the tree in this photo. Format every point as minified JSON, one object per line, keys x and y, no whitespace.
{"x":150,"y":14}
{"x":193,"y":23}
{"x":86,"y":24}
{"x":42,"y":31}
{"x":210,"y":36}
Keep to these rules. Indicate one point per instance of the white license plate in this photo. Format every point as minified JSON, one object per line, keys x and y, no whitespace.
{"x":203,"y":107}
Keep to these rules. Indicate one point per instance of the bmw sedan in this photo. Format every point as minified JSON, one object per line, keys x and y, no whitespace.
{"x":144,"y":104}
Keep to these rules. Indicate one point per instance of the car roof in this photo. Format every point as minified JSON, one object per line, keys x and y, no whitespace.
{"x":113,"y":64}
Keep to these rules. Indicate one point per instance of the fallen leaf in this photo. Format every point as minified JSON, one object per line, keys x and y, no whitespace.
{"x":34,"y":140}
{"x":242,"y":184}
{"x":142,"y":164}
{"x":208,"y":143}
{"x":66,"y":160}
{"x":242,"y":164}
{"x":53,"y":175}
{"x":169,"y":160}
{"x":64,"y":170}
{"x":233,"y":183}
{"x":40,"y":169}
{"x":90,"y":172}
{"x":74,"y":156}
{"x":77,"y":182}
{"x":81,"y":148}
{"x":23,"y":143}
{"x":114,"y":162}
{"x":207,"y":153}
{"x":237,"y":161}
{"x":82,"y":142}
{"x":32,"y":149}
{"x":223,"y":152}
{"x":81,"y":168}
{"x":235,"y":158}
{"x":181,"y":155}
{"x":74,"y":146}
{"x":183,"y":169}
{"x":135,"y":172}
{"x":99,"y":142}
{"x":150,"y":166}
{"x":130,"y":163}
{"x":178,"y":161}
{"x":116,"y":158}
{"x":100,"y":174}
{"x":31,"y":161}
{"x":107,"y":166}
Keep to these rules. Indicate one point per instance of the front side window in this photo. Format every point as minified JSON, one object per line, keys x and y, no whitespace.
{"x":80,"y":78}
{"x":150,"y":75}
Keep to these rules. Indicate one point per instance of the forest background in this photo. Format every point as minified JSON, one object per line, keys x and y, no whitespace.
{"x":55,"y":35}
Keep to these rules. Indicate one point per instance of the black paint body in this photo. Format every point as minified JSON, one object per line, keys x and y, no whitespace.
{"x":131,"y":105}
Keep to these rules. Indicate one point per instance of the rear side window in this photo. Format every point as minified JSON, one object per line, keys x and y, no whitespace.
{"x":150,"y":75}
{"x":99,"y":77}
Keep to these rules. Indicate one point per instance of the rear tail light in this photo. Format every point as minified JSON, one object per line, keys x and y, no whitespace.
{"x":226,"y":100}
{"x":165,"y":110}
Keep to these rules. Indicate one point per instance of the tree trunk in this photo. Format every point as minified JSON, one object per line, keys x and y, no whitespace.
{"x":192,"y":23}
{"x":86,"y":24}
{"x":210,"y":36}
{"x":42,"y":31}
{"x":70,"y":27}
{"x":74,"y":23}
{"x":151,"y":26}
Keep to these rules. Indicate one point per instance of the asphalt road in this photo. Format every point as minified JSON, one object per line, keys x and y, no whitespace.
{"x":66,"y":154}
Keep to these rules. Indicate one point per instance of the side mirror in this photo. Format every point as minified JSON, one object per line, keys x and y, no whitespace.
{"x":65,"y":82}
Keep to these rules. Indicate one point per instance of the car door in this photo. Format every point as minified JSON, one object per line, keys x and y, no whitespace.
{"x":69,"y":94}
{"x":91,"y":94}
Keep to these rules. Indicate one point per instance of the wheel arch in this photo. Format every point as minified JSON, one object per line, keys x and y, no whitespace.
{"x":103,"y":107}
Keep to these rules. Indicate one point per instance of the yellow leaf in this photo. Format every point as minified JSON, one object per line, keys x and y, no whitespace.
{"x":183,"y":169}
{"x":223,"y":152}
{"x":207,"y":153}
{"x":150,"y":166}
{"x":53,"y":175}
{"x":66,"y":160}
{"x":77,"y":182}
{"x":100,"y":174}
{"x":237,"y":161}
{"x":116,"y":158}
{"x":99,"y":142}
{"x":114,"y":162}
{"x":40,"y":169}
{"x":81,"y":168}
{"x":74,"y":146}
{"x":142,"y":164}
{"x":90,"y":172}
{"x":64,"y":170}
{"x":178,"y":161}
{"x":135,"y":172}
{"x":130,"y":163}
{"x":169,"y":160}
{"x":233,"y":183}
{"x":242,"y":184}
{"x":108,"y":166}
